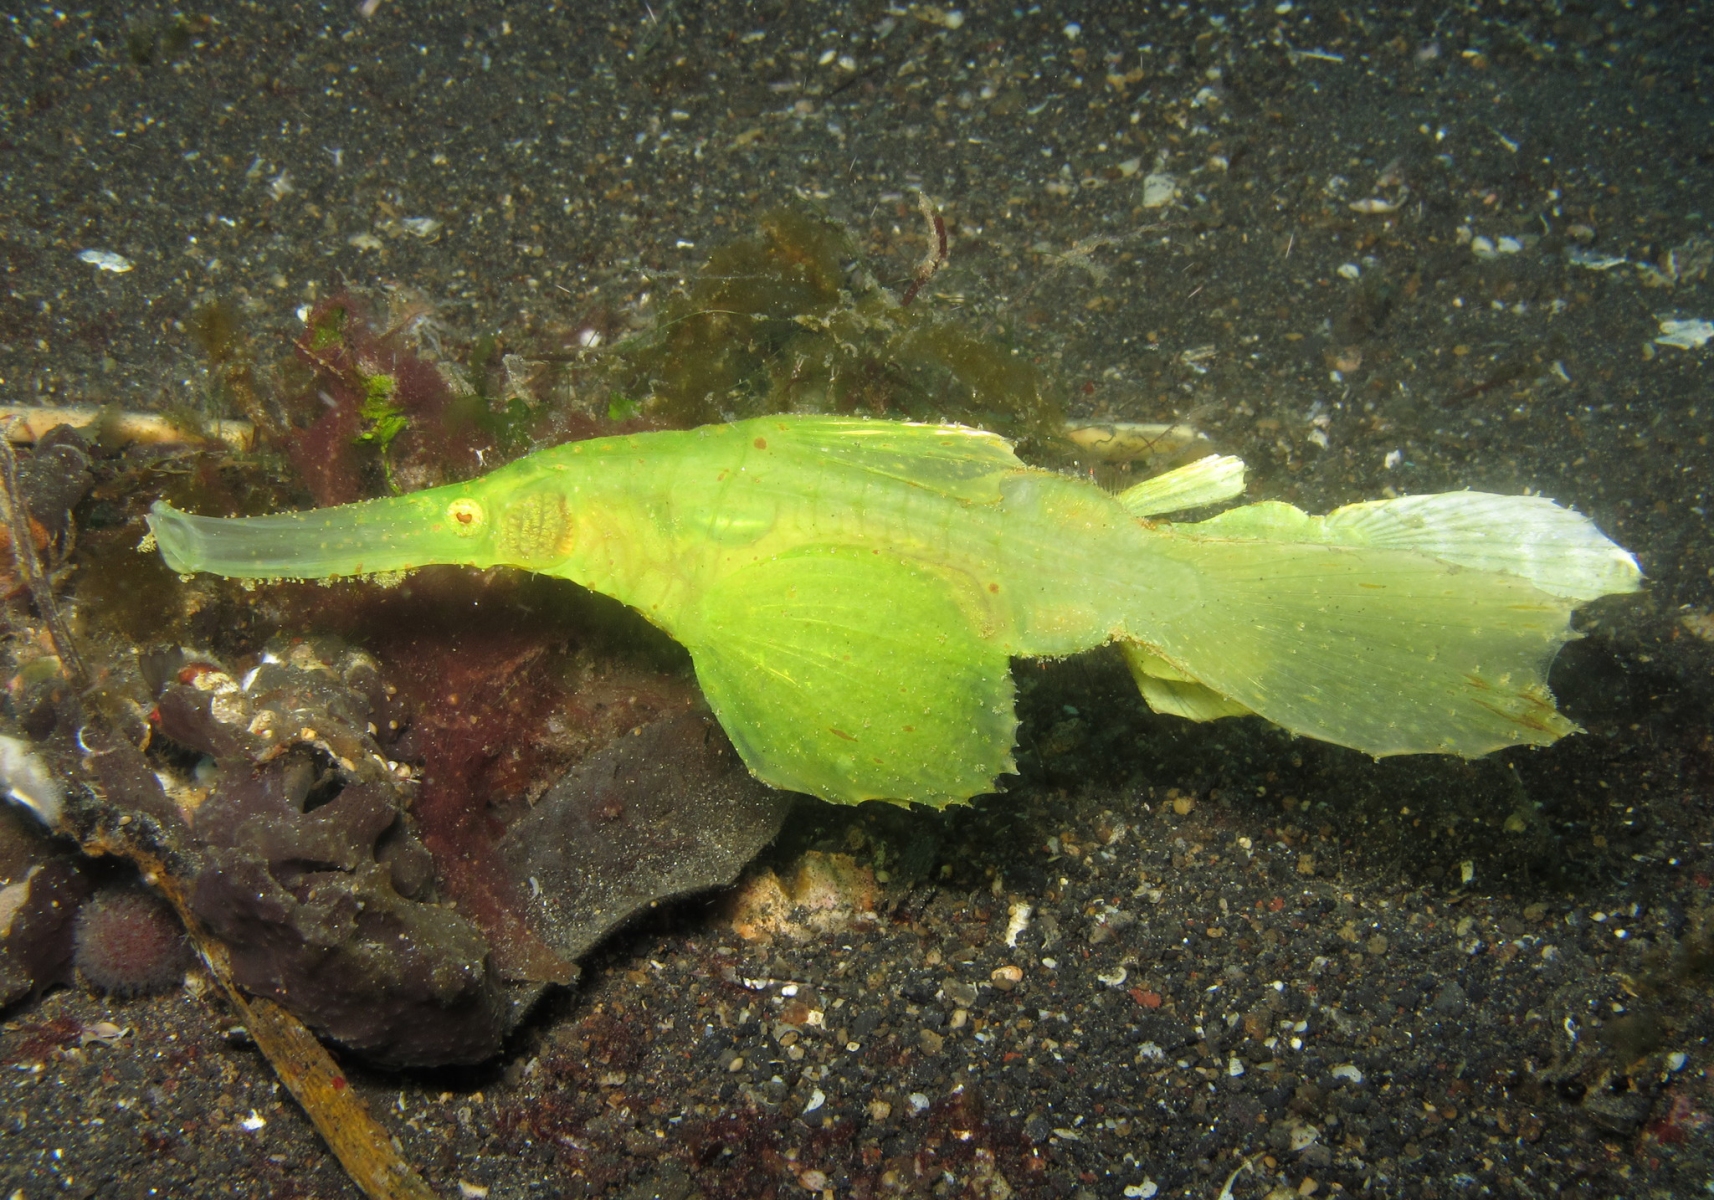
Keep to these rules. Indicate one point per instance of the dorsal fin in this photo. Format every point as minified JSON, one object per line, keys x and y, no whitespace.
{"x":952,"y":460}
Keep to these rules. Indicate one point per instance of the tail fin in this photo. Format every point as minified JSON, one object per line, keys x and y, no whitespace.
{"x":1424,"y":624}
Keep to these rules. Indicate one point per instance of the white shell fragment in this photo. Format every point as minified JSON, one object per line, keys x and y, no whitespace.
{"x":1692,"y":334}
{"x":106,"y":260}
{"x":1373,"y":205}
{"x":1159,"y":189}
{"x":24,"y":778}
{"x":1490,"y":248}
{"x":1017,"y":920}
{"x":1592,"y":260}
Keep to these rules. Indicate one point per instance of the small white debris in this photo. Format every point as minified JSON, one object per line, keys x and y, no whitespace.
{"x":1141,"y":1191}
{"x":1686,"y":335}
{"x":106,"y":260}
{"x":471,"y":1191}
{"x":930,"y":14}
{"x":1483,"y":247}
{"x":1393,"y":459}
{"x":1591,"y":260}
{"x":422,"y":227}
{"x":1676,"y":1060}
{"x":1349,"y":271}
{"x":1150,"y":1052}
{"x":1466,"y":872}
{"x":1347,"y":1072}
{"x":1373,"y":206}
{"x":253,"y":1122}
{"x":280,"y":186}
{"x":1072,"y":31}
{"x":816,"y":1099}
{"x":1234,"y":1066}
{"x":102,"y":1033}
{"x":1130,"y":167}
{"x":1114,"y":978}
{"x":1159,"y":189}
{"x":918,"y":1103}
{"x":1017,"y":920}
{"x":365,"y":241}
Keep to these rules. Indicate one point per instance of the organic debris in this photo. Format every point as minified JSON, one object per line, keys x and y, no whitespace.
{"x":786,"y":320}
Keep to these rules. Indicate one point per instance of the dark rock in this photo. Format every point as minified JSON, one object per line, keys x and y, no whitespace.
{"x":1451,"y":1000}
{"x":1617,"y":1112}
{"x":55,"y":479}
{"x":38,"y":905}
{"x":664,"y":813}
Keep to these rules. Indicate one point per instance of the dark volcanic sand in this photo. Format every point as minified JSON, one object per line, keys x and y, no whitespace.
{"x":1414,"y":978}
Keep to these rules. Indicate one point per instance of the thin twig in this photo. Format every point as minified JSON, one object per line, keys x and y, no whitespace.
{"x":30,"y":567}
{"x":938,"y":252}
{"x":31,"y":423}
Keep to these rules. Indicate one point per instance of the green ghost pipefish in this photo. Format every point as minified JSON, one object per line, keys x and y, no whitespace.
{"x":852,"y":591}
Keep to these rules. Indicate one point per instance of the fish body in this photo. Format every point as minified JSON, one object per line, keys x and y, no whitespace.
{"x":852,"y":591}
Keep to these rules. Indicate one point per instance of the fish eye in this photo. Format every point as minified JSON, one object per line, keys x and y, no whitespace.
{"x":466,"y":516}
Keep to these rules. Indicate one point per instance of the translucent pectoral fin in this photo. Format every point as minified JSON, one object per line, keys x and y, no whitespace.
{"x":1172,"y":693}
{"x":854,"y":676}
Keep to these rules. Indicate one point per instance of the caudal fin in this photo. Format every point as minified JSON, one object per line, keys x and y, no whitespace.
{"x":1424,"y":624}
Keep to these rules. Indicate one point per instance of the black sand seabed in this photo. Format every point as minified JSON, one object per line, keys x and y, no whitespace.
{"x":1413,"y":978}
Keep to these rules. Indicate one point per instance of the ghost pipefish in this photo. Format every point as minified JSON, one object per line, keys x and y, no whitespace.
{"x":851,"y":591}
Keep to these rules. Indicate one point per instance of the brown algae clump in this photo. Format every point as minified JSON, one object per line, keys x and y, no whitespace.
{"x":787,"y":320}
